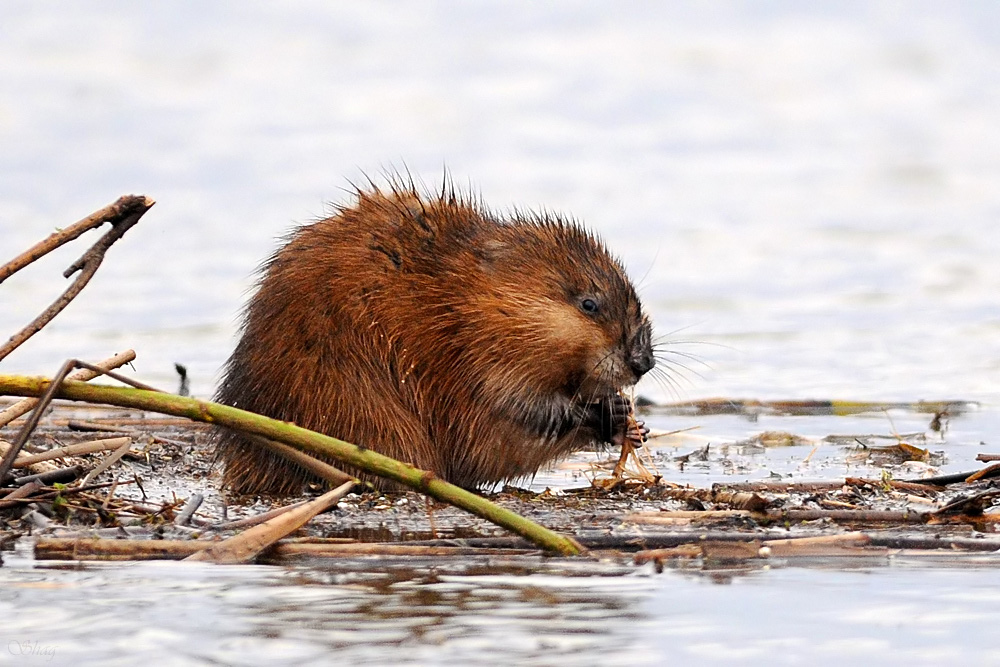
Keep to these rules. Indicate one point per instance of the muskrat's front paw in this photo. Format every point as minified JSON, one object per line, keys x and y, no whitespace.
{"x":610,"y":418}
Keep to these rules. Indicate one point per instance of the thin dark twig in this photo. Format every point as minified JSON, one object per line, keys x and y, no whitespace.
{"x":954,"y":478}
{"x":49,"y":477}
{"x":122,"y":215}
{"x":35,"y":491}
{"x":43,"y":403}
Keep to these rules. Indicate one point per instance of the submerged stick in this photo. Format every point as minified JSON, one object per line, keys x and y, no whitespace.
{"x":68,"y":548}
{"x":364,"y":459}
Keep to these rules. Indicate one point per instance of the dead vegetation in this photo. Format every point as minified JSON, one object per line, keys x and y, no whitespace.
{"x":160,"y":499}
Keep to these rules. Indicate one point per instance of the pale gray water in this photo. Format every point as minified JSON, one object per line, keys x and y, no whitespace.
{"x":420,"y":613}
{"x":811,"y":190}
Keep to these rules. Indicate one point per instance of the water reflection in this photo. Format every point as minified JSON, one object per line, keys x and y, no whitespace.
{"x":418,"y":611}
{"x":406,"y":612}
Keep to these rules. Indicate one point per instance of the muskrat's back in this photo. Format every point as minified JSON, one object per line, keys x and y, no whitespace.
{"x":434,"y":332}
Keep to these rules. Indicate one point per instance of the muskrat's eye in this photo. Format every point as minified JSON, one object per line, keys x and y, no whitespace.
{"x":589,"y":306}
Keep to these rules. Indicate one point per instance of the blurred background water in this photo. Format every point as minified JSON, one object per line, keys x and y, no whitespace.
{"x":809,"y":189}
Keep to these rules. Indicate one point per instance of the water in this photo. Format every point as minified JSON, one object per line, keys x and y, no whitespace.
{"x":808,"y":192}
{"x":416,"y":613}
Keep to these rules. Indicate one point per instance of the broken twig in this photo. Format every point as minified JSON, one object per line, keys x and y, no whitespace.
{"x":122,"y":215}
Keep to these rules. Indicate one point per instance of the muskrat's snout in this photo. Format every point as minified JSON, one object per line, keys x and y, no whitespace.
{"x":640,"y":351}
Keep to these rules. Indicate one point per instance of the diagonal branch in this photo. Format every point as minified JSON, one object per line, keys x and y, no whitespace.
{"x":123,"y":214}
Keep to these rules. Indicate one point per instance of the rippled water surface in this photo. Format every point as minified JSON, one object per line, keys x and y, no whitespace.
{"x":807,"y":194}
{"x":494,"y":613}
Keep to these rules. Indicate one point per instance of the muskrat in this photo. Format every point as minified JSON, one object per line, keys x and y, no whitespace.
{"x":427,"y":328}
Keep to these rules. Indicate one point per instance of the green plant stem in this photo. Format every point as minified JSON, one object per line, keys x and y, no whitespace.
{"x":300,"y":438}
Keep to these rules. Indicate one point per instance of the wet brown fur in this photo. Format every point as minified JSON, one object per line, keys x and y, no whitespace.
{"x":437,"y":333}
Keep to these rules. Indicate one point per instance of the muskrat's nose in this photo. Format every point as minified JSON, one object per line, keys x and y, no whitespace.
{"x":640,"y":356}
{"x":641,"y":361}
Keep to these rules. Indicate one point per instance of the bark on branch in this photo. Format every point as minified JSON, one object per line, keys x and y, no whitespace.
{"x":123,"y":214}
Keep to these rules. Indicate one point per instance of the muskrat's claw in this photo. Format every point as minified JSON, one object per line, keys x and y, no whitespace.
{"x":638,"y":433}
{"x":610,"y":418}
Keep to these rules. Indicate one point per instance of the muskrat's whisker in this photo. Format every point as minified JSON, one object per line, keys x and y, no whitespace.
{"x":679,"y":373}
{"x":681,"y":368}
{"x":669,"y":382}
{"x":662,"y":355}
{"x":710,"y":343}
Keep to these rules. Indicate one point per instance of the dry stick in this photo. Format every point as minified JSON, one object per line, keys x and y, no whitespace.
{"x":63,"y":236}
{"x":115,"y":376}
{"x":254,"y":520}
{"x":285,"y":550}
{"x":78,"y":449}
{"x":321,"y":469}
{"x":893,"y":483}
{"x":789,"y":515}
{"x":740,"y":500}
{"x":955,"y":478}
{"x":780,"y":487}
{"x":815,"y":546}
{"x":74,"y":425}
{"x":58,"y":476}
{"x":670,"y":545}
{"x":111,"y":493}
{"x":988,"y":458}
{"x":47,"y":493}
{"x":989,"y":471}
{"x":815,"y":487}
{"x":122,"y":215}
{"x":190,"y":507}
{"x":123,"y":423}
{"x":21,"y":407}
{"x":20,"y":493}
{"x":664,"y":540}
{"x":108,"y":461}
{"x":272,"y":429}
{"x":63,"y":548}
{"x":245,"y":547}
{"x":850,"y":544}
